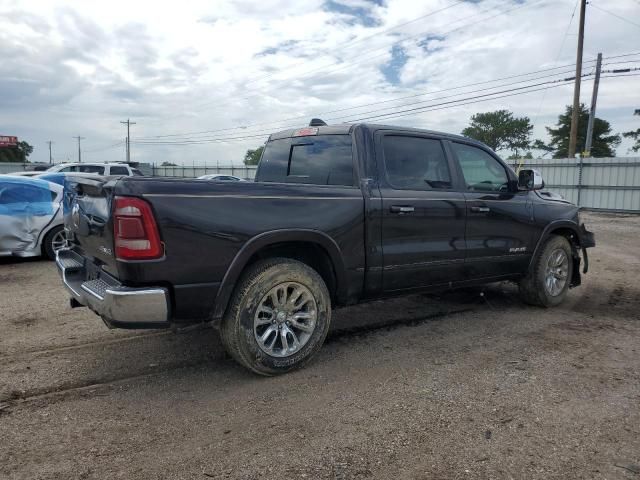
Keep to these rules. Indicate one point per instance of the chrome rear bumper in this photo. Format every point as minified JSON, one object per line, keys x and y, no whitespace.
{"x":119,"y":306}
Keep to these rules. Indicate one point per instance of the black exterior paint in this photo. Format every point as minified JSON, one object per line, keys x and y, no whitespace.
{"x":211,"y":230}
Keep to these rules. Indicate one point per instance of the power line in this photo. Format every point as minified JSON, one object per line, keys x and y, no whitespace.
{"x":188,"y":135}
{"x":476,"y":91}
{"x":491,"y":98}
{"x":615,"y":15}
{"x":517,"y":89}
{"x":306,"y":116}
{"x":622,"y":75}
{"x":621,"y":70}
{"x":195,"y":142}
{"x":409,"y":112}
{"x":255,"y":134}
{"x":244,"y":127}
{"x":215,"y":140}
{"x":625,"y":55}
{"x":266,"y":132}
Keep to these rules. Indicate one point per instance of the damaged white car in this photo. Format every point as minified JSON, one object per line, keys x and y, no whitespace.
{"x":31,"y":220}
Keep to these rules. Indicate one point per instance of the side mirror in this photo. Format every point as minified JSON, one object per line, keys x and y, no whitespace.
{"x":530,"y":180}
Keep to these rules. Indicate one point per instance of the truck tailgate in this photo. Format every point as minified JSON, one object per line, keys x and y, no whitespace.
{"x":87,"y":215}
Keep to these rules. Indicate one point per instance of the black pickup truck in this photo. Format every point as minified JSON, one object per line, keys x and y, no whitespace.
{"x":336,"y":215}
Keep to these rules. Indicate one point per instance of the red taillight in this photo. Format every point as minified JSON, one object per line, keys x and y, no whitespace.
{"x":135,"y":231}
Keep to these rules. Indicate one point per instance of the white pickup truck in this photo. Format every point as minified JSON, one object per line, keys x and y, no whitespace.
{"x":105,"y":169}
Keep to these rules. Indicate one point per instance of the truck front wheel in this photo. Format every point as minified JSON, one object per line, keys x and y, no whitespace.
{"x":549,"y":277}
{"x":278,"y":318}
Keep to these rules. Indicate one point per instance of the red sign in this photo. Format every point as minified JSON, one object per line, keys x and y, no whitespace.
{"x":7,"y":141}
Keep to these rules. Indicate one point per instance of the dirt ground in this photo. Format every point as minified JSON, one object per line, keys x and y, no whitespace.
{"x":471,"y":384}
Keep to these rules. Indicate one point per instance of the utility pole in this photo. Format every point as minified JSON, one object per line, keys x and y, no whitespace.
{"x":79,"y":150}
{"x":50,"y":157}
{"x":128,"y":123}
{"x":573,"y":137}
{"x":592,"y":112}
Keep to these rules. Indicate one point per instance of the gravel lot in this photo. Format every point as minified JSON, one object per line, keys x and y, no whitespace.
{"x":460,"y":385}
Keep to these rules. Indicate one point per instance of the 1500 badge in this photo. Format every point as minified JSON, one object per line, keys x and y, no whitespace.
{"x":517,"y":249}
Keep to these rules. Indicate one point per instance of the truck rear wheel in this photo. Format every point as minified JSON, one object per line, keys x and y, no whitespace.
{"x":278,"y":318}
{"x":549,"y":277}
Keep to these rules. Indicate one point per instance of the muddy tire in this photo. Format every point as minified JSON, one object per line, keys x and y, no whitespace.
{"x":278,"y":317}
{"x":53,"y":241}
{"x":548,"y":280}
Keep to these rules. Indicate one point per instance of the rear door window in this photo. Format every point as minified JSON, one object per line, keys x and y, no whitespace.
{"x":119,"y":171}
{"x":415,"y":163}
{"x":91,"y":169}
{"x":318,"y":160}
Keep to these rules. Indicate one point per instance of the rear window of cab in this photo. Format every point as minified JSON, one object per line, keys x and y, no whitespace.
{"x":314,"y":159}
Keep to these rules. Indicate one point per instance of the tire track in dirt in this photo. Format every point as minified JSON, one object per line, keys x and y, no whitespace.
{"x":86,"y":383}
{"x":74,"y":346}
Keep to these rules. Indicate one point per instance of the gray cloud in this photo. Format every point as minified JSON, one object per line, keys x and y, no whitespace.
{"x":32,"y":72}
{"x":83,"y":39}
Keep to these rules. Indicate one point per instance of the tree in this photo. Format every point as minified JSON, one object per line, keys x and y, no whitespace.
{"x":635,"y":134}
{"x":526,"y":156}
{"x":252,"y":157}
{"x":500,"y":130}
{"x":540,"y":145}
{"x":19,"y":153}
{"x":602,"y":145}
{"x":168,"y":164}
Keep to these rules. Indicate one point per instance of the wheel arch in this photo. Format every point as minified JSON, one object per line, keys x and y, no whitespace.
{"x":46,"y":231}
{"x":569,"y":230}
{"x":313,"y":247}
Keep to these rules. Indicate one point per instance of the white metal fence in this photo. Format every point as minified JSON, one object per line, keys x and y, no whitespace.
{"x":6,"y":167}
{"x":608,"y":184}
{"x":248,"y":172}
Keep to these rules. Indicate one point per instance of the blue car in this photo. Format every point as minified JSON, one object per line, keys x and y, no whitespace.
{"x":31,"y":221}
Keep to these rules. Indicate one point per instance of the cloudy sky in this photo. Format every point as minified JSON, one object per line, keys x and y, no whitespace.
{"x":205,"y":80}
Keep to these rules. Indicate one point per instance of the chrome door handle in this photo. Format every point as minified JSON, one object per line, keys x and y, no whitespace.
{"x":480,"y":209}
{"x":401,"y":209}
